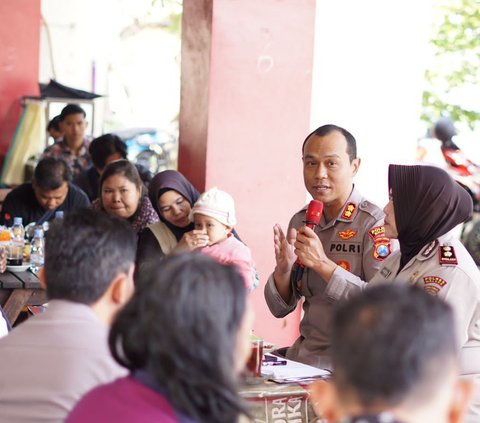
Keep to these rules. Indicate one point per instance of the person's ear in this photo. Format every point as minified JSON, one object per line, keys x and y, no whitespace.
{"x":355,"y":165}
{"x":122,"y":287}
{"x":463,"y":394}
{"x":325,"y":401}
{"x":41,"y":278}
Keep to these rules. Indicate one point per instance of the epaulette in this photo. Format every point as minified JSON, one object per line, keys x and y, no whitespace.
{"x":371,"y":209}
{"x":447,"y":256}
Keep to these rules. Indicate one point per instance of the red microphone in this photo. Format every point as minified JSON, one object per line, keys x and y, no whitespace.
{"x":312,"y":219}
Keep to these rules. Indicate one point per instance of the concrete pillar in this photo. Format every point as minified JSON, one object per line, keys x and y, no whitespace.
{"x":245,"y":110}
{"x":19,"y":47}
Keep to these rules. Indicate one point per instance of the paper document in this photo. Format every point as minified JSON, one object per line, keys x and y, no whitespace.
{"x":293,"y":372}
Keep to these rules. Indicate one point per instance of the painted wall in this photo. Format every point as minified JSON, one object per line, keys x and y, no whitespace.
{"x":19,"y":47}
{"x":248,"y":112}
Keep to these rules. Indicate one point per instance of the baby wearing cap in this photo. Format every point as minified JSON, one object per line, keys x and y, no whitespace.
{"x":214,"y":215}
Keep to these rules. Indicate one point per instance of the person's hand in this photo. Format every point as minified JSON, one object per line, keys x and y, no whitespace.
{"x":285,"y":258}
{"x":309,"y":249}
{"x":3,"y":260}
{"x":284,"y":255}
{"x":193,"y":240}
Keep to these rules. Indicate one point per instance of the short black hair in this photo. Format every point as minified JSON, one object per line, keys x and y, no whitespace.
{"x":324,"y":130}
{"x":51,"y":172}
{"x":71,"y":109}
{"x":84,"y":252}
{"x":54,"y":124}
{"x":106,"y":145}
{"x":390,"y":342}
{"x":181,"y":326}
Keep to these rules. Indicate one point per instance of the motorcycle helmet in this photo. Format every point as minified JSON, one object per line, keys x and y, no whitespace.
{"x":444,"y":129}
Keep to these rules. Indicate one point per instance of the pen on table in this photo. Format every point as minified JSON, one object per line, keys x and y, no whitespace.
{"x":274,"y":363}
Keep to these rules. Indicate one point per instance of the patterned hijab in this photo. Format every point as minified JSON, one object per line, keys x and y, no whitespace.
{"x":427,"y":203}
{"x":172,"y":180}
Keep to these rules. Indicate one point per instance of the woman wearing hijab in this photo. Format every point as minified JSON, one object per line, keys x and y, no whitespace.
{"x":172,"y":196}
{"x":425,"y":205}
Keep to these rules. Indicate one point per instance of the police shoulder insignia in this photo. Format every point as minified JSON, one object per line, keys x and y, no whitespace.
{"x":347,"y":234}
{"x":381,"y":247}
{"x":344,"y":264}
{"x":431,"y":289}
{"x":377,"y":232}
{"x":428,"y":280}
{"x":447,"y":256}
{"x":348,"y":211}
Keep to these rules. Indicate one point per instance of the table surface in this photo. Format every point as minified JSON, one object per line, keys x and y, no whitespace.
{"x":19,"y":289}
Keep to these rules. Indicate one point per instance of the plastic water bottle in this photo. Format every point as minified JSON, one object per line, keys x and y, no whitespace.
{"x":15,"y":255}
{"x":18,"y":230}
{"x":37,"y":252}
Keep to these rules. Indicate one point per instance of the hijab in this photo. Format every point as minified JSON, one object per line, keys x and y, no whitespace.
{"x":427,"y":203}
{"x":172,"y":180}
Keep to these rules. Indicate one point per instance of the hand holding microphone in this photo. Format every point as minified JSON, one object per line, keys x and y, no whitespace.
{"x":312,"y":219}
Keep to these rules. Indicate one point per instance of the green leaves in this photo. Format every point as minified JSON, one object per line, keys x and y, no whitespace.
{"x":456,"y":64}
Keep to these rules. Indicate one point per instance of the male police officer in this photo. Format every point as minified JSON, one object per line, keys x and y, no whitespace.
{"x":350,"y":229}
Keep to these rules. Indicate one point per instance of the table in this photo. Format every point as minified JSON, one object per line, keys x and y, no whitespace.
{"x":271,"y":402}
{"x":18,"y":290}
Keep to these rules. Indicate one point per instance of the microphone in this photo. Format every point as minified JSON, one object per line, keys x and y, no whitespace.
{"x":312,"y":219}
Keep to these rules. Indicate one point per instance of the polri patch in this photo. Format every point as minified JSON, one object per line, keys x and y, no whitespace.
{"x":447,"y":256}
{"x":347,"y":234}
{"x":434,"y":280}
{"x":344,"y":265}
{"x":348,"y":211}
{"x":377,"y":232}
{"x":381,"y":249}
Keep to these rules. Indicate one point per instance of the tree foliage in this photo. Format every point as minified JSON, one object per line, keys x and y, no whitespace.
{"x":456,"y":67}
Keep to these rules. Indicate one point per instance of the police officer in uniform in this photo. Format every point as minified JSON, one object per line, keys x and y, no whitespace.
{"x":425,"y":205}
{"x":350,"y":229}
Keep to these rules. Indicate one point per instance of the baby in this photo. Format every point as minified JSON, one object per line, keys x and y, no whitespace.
{"x":214,"y":215}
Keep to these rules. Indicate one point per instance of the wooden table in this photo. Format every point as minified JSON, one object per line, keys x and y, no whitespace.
{"x":18,"y":290}
{"x":271,"y":402}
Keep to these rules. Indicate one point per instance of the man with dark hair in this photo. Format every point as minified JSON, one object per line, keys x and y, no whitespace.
{"x":51,"y":190}
{"x":104,"y":150}
{"x":74,"y":146}
{"x":53,"y":129}
{"x":48,"y":362}
{"x":395,"y":359}
{"x":351,"y":228}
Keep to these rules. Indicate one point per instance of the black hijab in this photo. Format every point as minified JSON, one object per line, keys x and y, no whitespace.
{"x":172,"y":180}
{"x":427,"y":203}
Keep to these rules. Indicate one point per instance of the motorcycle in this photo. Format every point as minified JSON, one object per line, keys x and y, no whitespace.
{"x":152,"y":149}
{"x":467,"y":174}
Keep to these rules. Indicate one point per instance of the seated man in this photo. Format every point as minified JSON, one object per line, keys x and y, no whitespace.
{"x":48,"y":362}
{"x":51,"y":190}
{"x":395,"y":360}
{"x":73,"y":148}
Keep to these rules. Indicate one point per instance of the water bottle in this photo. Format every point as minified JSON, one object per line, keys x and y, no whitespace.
{"x":18,"y":230}
{"x":15,"y":255}
{"x":37,"y":252}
